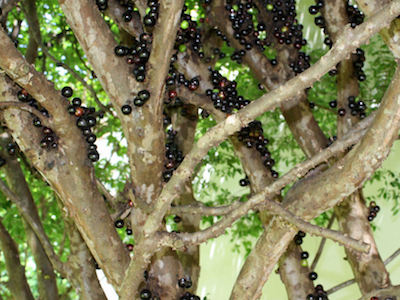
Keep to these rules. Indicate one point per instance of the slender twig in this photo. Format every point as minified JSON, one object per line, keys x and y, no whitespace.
{"x":351,"y":281}
{"x":340,"y":286}
{"x":58,"y":265}
{"x":37,"y":36}
{"x":392,"y":257}
{"x":110,"y":198}
{"x":321,"y":245}
{"x":352,"y":137}
{"x":274,"y":208}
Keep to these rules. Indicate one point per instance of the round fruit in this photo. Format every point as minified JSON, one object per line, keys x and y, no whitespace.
{"x":67,"y":91}
{"x":126,"y":109}
{"x":93,"y":156}
{"x":144,"y":95}
{"x":119,"y":223}
{"x":145,"y":294}
{"x":185,"y":25}
{"x":138,"y":102}
{"x":313,"y":276}
{"x":120,"y":51}
{"x":76,"y":102}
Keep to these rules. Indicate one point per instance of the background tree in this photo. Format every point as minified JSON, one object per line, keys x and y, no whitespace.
{"x":175,"y":90}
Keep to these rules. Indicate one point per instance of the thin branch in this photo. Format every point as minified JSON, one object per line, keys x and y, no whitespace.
{"x":298,"y":171}
{"x":392,"y":257}
{"x":321,"y":245}
{"x":341,"y":145}
{"x":34,"y":30}
{"x":351,"y":281}
{"x":340,"y":286}
{"x":74,"y":180}
{"x":349,"y":41}
{"x":274,"y":208}
{"x":58,"y":265}
{"x":17,"y":284}
{"x":335,"y":183}
{"x":110,"y":198}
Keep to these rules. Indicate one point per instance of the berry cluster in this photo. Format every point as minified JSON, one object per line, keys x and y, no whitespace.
{"x":189,"y":33}
{"x":373,"y":211}
{"x":139,"y":101}
{"x":252,"y":136}
{"x":130,"y":10}
{"x":358,"y":63}
{"x":224,"y":95}
{"x":138,"y":55}
{"x":185,"y":283}
{"x":150,"y":19}
{"x":240,"y":16}
{"x":49,"y":141}
{"x":319,"y":293}
{"x":173,"y":155}
{"x":298,"y":238}
{"x":286,"y":30}
{"x":85,"y":121}
{"x":356,"y":17}
{"x":357,"y":108}
{"x":175,"y":79}
{"x":23,"y":96}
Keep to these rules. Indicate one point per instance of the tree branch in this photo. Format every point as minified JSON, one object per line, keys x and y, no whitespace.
{"x":350,"y":39}
{"x":321,"y":245}
{"x":351,"y":281}
{"x":17,"y":282}
{"x":69,"y":173}
{"x":392,"y":291}
{"x":37,"y":227}
{"x":334,"y":184}
{"x":47,"y":284}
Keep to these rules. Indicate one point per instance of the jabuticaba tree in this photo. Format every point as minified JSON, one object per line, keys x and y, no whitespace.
{"x":110,"y":111}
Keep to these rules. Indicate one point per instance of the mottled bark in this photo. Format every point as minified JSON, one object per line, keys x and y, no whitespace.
{"x":253,"y":166}
{"x":83,"y":265}
{"x":353,"y":170}
{"x":368,"y":268}
{"x":17,"y":282}
{"x":66,"y":169}
{"x":47,"y":284}
{"x":186,"y":128}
